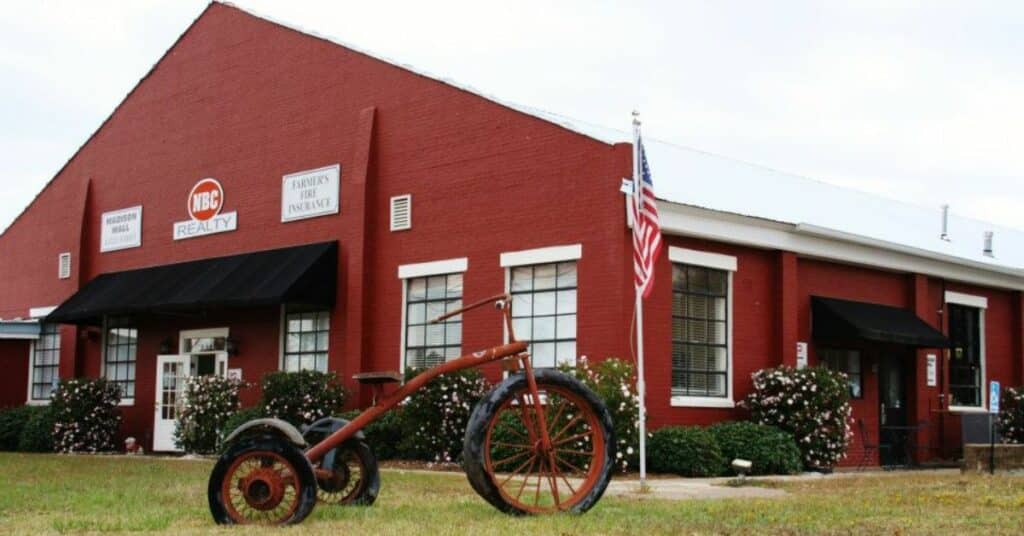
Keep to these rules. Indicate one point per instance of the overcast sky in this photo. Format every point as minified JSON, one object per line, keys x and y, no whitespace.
{"x":917,"y":101}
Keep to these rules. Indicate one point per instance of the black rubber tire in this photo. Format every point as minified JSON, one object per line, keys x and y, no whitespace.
{"x":263,"y":442}
{"x":476,"y":434}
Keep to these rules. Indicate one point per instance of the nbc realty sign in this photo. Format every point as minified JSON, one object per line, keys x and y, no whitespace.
{"x":205,"y":202}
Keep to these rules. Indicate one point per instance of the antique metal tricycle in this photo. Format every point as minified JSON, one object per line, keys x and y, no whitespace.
{"x":539,"y":442}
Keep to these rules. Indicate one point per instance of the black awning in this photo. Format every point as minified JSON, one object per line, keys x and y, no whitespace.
{"x":305,"y":275}
{"x":844,"y":321}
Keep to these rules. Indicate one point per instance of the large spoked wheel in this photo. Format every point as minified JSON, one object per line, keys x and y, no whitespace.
{"x":348,"y":474}
{"x":351,"y":476}
{"x":262,"y":480}
{"x":510,"y":465}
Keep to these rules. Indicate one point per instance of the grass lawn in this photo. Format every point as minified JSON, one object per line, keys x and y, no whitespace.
{"x":49,"y":493}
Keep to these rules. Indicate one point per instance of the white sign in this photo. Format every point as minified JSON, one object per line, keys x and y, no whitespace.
{"x":121,"y":229}
{"x":235,"y":374}
{"x":931,"y":374}
{"x":204,"y":205}
{"x":993,"y":397}
{"x":801,"y":355}
{"x":308,"y":194}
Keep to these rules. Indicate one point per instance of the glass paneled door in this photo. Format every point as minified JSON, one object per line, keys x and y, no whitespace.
{"x":204,"y":352}
{"x":171,"y":373}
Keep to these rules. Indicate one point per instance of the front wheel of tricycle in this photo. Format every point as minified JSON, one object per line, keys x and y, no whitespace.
{"x":262,"y":480}
{"x":511,"y":465}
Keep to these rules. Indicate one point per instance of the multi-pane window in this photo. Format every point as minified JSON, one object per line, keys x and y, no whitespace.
{"x":965,"y":367}
{"x":847,"y":362}
{"x":306,"y":340}
{"x":427,"y":298}
{"x":700,"y":351}
{"x":45,"y":362}
{"x":544,"y":311}
{"x":119,"y":351}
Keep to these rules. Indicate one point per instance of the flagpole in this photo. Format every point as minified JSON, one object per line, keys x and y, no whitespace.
{"x":639,"y":305}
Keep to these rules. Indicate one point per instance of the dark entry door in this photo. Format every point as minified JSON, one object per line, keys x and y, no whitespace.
{"x":892,"y":399}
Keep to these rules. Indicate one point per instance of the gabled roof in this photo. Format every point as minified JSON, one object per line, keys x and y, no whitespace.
{"x":687,"y":176}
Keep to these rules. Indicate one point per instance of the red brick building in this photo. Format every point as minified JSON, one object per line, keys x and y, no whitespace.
{"x":266,"y":199}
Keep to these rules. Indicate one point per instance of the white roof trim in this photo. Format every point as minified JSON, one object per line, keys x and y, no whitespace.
{"x":39,"y":312}
{"x":765,"y":234}
{"x":422,"y":269}
{"x":541,"y":255}
{"x":969,"y":300}
{"x":706,"y":259}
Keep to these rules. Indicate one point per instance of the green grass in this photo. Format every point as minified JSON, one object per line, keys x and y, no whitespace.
{"x":63,"y":494}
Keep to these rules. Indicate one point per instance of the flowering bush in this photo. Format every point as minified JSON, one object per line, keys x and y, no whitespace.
{"x":434,"y":418}
{"x":209,"y":402}
{"x":1011,"y":415}
{"x":813,"y":404}
{"x":301,"y":397}
{"x":614,"y":382}
{"x":85,"y":415}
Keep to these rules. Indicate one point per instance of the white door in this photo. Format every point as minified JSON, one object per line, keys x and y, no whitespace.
{"x":171,"y":373}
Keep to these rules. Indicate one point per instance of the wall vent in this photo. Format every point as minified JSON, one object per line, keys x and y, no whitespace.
{"x":401,"y":212}
{"x":64,"y":266}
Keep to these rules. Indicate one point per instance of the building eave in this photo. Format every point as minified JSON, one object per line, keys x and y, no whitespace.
{"x":820,"y":243}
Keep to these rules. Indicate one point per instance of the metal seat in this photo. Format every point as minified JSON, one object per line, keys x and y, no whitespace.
{"x":377,"y":378}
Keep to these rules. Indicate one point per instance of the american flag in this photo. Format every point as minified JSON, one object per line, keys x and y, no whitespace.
{"x":646,"y":230}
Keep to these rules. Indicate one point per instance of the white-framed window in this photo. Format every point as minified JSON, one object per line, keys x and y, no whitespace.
{"x":702,"y":295}
{"x":305,"y":339}
{"x":543,"y":283}
{"x":120,"y":348}
{"x":966,"y":317}
{"x":430,"y":289}
{"x":44,"y":364}
{"x":426,"y":298}
{"x":544,"y":311}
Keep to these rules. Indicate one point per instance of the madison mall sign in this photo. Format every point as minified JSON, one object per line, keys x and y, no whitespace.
{"x":205,"y":202}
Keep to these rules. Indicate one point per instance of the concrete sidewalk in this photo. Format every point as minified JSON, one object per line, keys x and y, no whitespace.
{"x":719,"y":488}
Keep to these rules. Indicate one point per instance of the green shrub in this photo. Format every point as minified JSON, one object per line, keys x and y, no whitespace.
{"x":301,"y":397}
{"x":433,"y":420}
{"x":383,"y":434}
{"x":209,"y":402}
{"x":85,"y":415}
{"x":771,"y":451}
{"x":237,"y":419}
{"x":614,"y":382}
{"x":812,"y":404}
{"x":1011,"y":415}
{"x":37,"y":436}
{"x":12,"y":423}
{"x":686,"y":451}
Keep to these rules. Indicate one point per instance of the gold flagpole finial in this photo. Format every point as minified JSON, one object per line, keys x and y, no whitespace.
{"x":636,"y":117}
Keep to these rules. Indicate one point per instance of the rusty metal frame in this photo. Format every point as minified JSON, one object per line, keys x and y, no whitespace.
{"x":514,"y":349}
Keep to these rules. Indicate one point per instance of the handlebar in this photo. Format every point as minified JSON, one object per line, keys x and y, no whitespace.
{"x":501,"y":301}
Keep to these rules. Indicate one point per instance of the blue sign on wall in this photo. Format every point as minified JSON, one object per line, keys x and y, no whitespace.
{"x":993,"y":397}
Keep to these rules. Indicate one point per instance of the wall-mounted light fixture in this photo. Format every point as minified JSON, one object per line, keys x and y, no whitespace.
{"x":231,"y":345}
{"x":166,"y":346}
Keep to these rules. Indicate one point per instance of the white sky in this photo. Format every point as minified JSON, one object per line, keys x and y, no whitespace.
{"x":917,"y":101}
